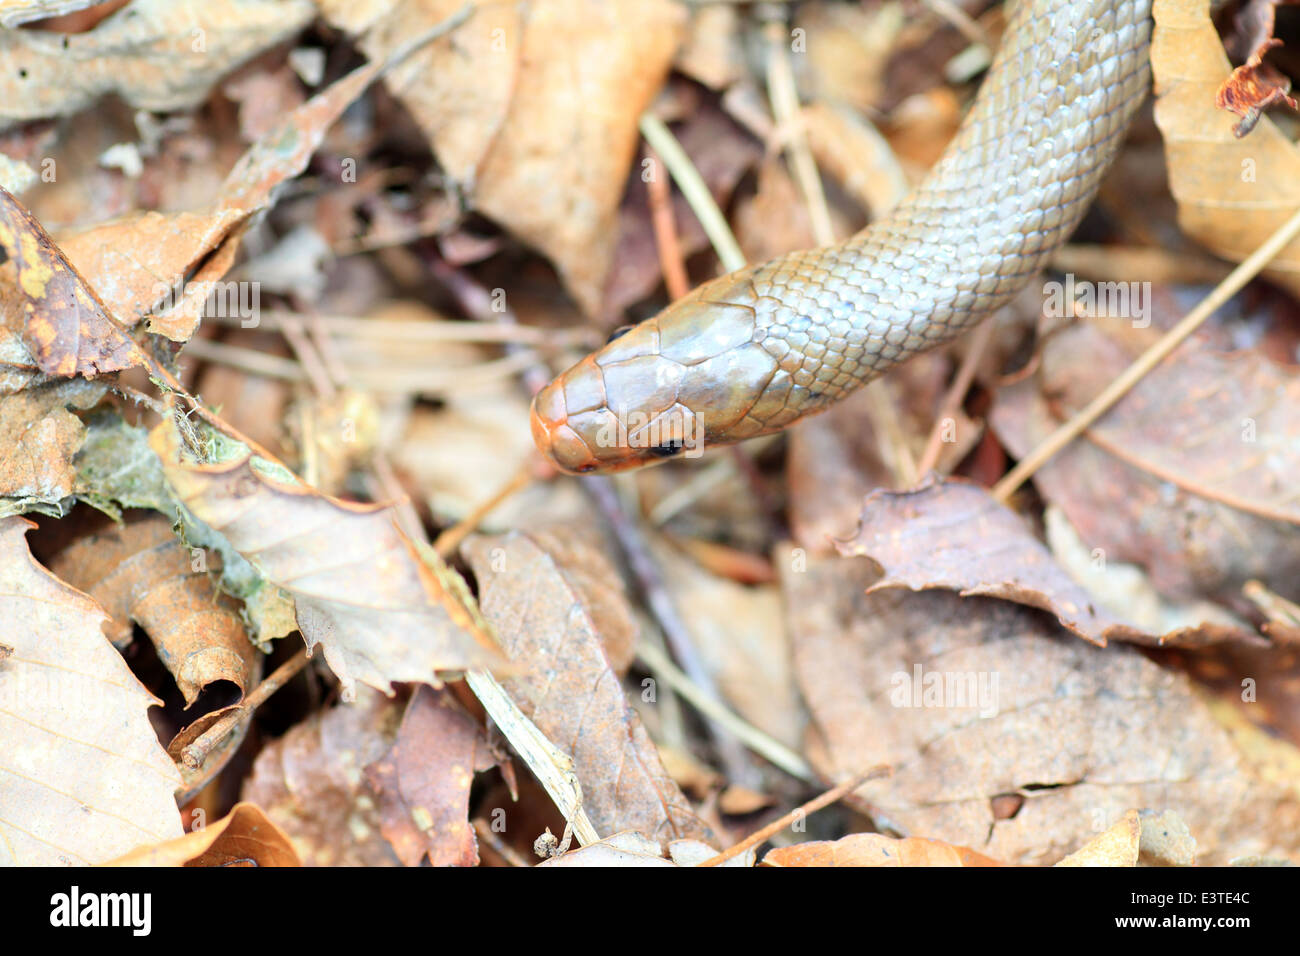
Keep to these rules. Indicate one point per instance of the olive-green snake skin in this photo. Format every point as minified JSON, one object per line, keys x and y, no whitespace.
{"x":757,"y":350}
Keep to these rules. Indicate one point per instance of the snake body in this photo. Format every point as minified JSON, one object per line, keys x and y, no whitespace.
{"x":756,"y":350}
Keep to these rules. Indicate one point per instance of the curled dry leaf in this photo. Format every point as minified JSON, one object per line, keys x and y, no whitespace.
{"x":85,"y":779}
{"x":422,"y":783}
{"x":310,"y":783}
{"x":874,"y":849}
{"x":1232,"y":193}
{"x":158,"y":55}
{"x":1006,"y":735}
{"x":1254,"y":87}
{"x":955,"y":535}
{"x":552,"y":631}
{"x":140,"y":572}
{"x":362,"y":590}
{"x":244,"y":837}
{"x":67,"y":328}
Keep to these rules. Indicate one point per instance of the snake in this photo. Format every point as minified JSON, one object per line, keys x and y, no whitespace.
{"x":757,"y":350}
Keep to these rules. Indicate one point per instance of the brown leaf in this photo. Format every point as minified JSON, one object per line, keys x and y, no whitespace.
{"x":551,"y":95}
{"x":310,"y":784}
{"x":67,"y":328}
{"x":1118,"y":846}
{"x":85,"y":777}
{"x":244,"y":837}
{"x":362,"y":590}
{"x":971,"y":701}
{"x":1232,"y":193}
{"x":1254,"y":87}
{"x":41,"y":436}
{"x":140,"y":572}
{"x":423,"y":782}
{"x":158,"y":55}
{"x":571,"y":691}
{"x":955,"y":535}
{"x":873,"y":849}
{"x":1201,"y":500}
{"x":743,"y":642}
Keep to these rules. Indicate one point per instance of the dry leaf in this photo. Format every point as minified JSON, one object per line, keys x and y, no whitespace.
{"x":244,"y":837}
{"x":67,"y":327}
{"x":310,"y":783}
{"x":158,"y":55}
{"x":1232,"y":193}
{"x":423,"y":782}
{"x":1253,"y":88}
{"x":140,"y":572}
{"x":1203,"y":503}
{"x":873,"y":849}
{"x":41,"y":436}
{"x":956,"y":535}
{"x":85,"y":777}
{"x":1008,"y":736}
{"x":570,"y":689}
{"x":362,"y":590}
{"x":547,"y":97}
{"x":743,"y":642}
{"x":1118,"y":846}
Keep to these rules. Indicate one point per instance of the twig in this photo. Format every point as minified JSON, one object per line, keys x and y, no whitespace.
{"x":762,"y":744}
{"x":498,"y":845}
{"x":956,"y":393}
{"x":643,"y":567}
{"x":197,"y":751}
{"x":962,"y":21}
{"x":450,"y":539}
{"x":785,"y":109}
{"x":1148,"y":360}
{"x":665,"y":228}
{"x":695,"y":191}
{"x":812,"y":806}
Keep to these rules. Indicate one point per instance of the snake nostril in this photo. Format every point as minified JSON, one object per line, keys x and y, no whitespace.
{"x":618,"y":332}
{"x":667,"y":449}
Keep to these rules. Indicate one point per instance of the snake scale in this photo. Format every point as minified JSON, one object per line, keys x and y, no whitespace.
{"x":754,"y":351}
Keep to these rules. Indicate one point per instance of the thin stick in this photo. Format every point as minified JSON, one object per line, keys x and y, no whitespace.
{"x":195,"y":753}
{"x":812,"y":806}
{"x":958,"y":18}
{"x":695,"y":191}
{"x":498,"y":845}
{"x":785,"y":109}
{"x":450,"y":539}
{"x":1148,"y":360}
{"x":665,"y":229}
{"x":762,"y":744}
{"x":956,"y":393}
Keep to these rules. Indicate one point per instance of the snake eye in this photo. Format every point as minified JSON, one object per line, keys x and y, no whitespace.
{"x":621,"y":330}
{"x":667,"y":449}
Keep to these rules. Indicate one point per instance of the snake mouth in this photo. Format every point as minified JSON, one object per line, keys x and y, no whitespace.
{"x":570,"y":452}
{"x":554,"y":438}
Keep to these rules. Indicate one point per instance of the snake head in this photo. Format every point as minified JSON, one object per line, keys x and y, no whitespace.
{"x":688,"y":378}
